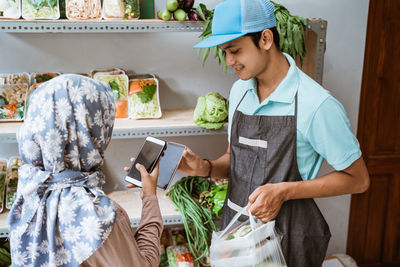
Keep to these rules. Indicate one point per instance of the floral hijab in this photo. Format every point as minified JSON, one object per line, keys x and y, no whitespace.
{"x":61,"y":215}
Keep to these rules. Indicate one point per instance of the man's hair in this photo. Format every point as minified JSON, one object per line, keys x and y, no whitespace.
{"x":256,"y":36}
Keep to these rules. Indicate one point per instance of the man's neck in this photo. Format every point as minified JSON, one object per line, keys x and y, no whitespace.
{"x":269,"y":80}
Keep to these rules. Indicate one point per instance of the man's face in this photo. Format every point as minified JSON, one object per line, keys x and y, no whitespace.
{"x":245,"y":57}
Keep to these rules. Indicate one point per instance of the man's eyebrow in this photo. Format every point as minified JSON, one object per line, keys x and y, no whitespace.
{"x":228,"y":46}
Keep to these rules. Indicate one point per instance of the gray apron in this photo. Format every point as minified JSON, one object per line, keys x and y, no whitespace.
{"x":263,"y":150}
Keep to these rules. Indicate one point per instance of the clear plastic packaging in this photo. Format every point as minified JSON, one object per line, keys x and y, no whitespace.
{"x":119,"y":87}
{"x":247,"y":244}
{"x":83,"y":9}
{"x":12,"y":180}
{"x":14,"y":78}
{"x":143,"y":98}
{"x":180,"y":256}
{"x":12,"y":101}
{"x":40,"y":9}
{"x":10,"y":9}
{"x":121,"y":9}
{"x":113,"y":71}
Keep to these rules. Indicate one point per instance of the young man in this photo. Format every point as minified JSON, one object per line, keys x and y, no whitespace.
{"x":282,"y":124}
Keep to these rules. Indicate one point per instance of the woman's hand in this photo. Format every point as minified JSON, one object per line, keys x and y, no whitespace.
{"x":192,"y":164}
{"x":149,"y":181}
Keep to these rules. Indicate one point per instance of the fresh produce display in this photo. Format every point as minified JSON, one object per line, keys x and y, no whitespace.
{"x":211,"y":111}
{"x":215,"y":198}
{"x":83,"y":9}
{"x":12,"y":180}
{"x":184,"y":194}
{"x":121,"y":9}
{"x":12,"y":100}
{"x":179,"y":9}
{"x":143,"y":98}
{"x":40,"y":9}
{"x":291,"y":29}
{"x":10,"y":9}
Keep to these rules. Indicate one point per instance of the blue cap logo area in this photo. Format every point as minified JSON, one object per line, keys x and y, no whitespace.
{"x":235,"y":18}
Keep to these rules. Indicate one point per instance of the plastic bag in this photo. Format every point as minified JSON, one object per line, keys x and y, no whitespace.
{"x":247,"y":243}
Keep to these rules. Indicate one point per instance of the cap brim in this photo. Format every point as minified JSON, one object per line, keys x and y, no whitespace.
{"x":215,"y":40}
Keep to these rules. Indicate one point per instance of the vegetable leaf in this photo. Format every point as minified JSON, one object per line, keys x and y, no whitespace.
{"x":147,"y":94}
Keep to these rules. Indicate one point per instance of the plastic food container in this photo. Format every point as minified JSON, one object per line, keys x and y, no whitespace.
{"x":113,"y":71}
{"x":40,"y":9}
{"x":16,"y":78}
{"x":180,"y":256}
{"x":121,"y":9}
{"x":10,"y":9}
{"x":12,"y":101}
{"x":119,"y":87}
{"x":143,"y":97}
{"x":83,"y":9}
{"x":12,"y":180}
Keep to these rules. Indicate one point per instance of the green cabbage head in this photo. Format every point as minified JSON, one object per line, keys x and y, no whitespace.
{"x":211,"y":111}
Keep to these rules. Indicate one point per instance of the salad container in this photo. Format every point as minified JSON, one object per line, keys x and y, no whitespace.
{"x":143,"y":97}
{"x":14,"y":78}
{"x":83,"y":9}
{"x":10,"y":9}
{"x":119,"y":87}
{"x":12,"y":180}
{"x":12,"y":101}
{"x":114,"y":71}
{"x":3,"y":176}
{"x":121,"y":9}
{"x":40,"y":9}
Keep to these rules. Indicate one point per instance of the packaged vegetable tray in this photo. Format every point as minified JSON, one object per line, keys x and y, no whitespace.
{"x":119,"y":87}
{"x":121,"y":9}
{"x":40,"y":9}
{"x":15,"y":78}
{"x":12,"y":180}
{"x":180,"y":256}
{"x":143,"y":97}
{"x":12,"y":101}
{"x":10,"y":9}
{"x":83,"y":9}
{"x":112,"y":71}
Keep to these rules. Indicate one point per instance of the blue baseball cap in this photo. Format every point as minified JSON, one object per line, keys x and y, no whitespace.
{"x":236,"y":18}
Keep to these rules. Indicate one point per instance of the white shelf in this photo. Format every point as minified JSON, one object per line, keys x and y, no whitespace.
{"x":131,"y":202}
{"x":103,"y":26}
{"x":174,"y":122}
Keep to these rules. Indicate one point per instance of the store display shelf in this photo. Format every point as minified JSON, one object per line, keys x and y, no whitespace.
{"x":103,"y":26}
{"x":130,"y":201}
{"x":174,"y":122}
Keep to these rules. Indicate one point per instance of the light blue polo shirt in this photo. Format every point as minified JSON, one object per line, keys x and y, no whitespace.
{"x":323,"y":129}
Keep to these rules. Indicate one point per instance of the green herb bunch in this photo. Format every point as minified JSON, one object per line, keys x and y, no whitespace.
{"x":39,"y":4}
{"x":291,"y":31}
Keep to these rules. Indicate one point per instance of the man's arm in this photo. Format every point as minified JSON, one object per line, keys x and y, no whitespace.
{"x":192,"y":164}
{"x":266,"y":201}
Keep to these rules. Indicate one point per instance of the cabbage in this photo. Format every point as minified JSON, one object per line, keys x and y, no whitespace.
{"x":211,"y":111}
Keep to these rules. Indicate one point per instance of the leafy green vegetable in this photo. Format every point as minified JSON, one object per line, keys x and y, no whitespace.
{"x":215,"y":198}
{"x":43,"y":77}
{"x":211,"y":111}
{"x":115,"y":89}
{"x":147,"y":94}
{"x":38,"y":4}
{"x":199,"y":234}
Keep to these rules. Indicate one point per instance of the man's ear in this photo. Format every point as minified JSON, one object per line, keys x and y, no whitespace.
{"x":267,"y":39}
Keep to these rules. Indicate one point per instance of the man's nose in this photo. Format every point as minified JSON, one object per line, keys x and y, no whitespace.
{"x":229,"y":59}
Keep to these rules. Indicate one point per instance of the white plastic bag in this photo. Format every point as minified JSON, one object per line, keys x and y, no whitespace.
{"x":246,"y":244}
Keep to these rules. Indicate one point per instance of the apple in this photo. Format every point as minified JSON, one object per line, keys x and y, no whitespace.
{"x":164,"y":15}
{"x":180,"y":15}
{"x":172,"y":5}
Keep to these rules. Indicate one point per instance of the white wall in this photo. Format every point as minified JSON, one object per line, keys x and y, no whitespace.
{"x":171,"y":58}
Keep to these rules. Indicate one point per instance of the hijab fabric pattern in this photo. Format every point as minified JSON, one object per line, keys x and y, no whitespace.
{"x":61,"y":215}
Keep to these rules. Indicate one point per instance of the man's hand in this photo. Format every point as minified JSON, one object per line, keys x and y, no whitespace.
{"x":192,"y":164}
{"x":149,"y":181}
{"x":266,"y":201}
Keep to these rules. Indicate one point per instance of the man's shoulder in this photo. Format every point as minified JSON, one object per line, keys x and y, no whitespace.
{"x":310,"y":93}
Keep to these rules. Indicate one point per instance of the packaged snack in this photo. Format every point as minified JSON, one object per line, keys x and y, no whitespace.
{"x":10,"y":9}
{"x":119,"y":87}
{"x":121,"y":9}
{"x":83,"y":9}
{"x":12,"y":101}
{"x":180,"y":256}
{"x":143,"y":98}
{"x":40,"y":9}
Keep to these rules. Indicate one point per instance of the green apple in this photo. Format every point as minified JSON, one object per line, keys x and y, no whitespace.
{"x":180,"y":15}
{"x":164,"y":15}
{"x":172,"y":5}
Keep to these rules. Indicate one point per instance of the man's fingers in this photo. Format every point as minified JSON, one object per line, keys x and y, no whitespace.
{"x":189,"y":154}
{"x":254,"y":195}
{"x":131,"y":186}
{"x":126,"y":169}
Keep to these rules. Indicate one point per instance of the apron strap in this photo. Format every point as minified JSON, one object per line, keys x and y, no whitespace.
{"x":241,"y":100}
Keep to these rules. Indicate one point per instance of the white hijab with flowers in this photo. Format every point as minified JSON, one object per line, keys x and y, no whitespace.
{"x":61,"y":215}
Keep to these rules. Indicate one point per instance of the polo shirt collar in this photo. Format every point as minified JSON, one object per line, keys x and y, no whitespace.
{"x":286,"y":90}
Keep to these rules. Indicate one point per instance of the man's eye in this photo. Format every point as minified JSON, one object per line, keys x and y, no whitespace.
{"x":234,"y":51}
